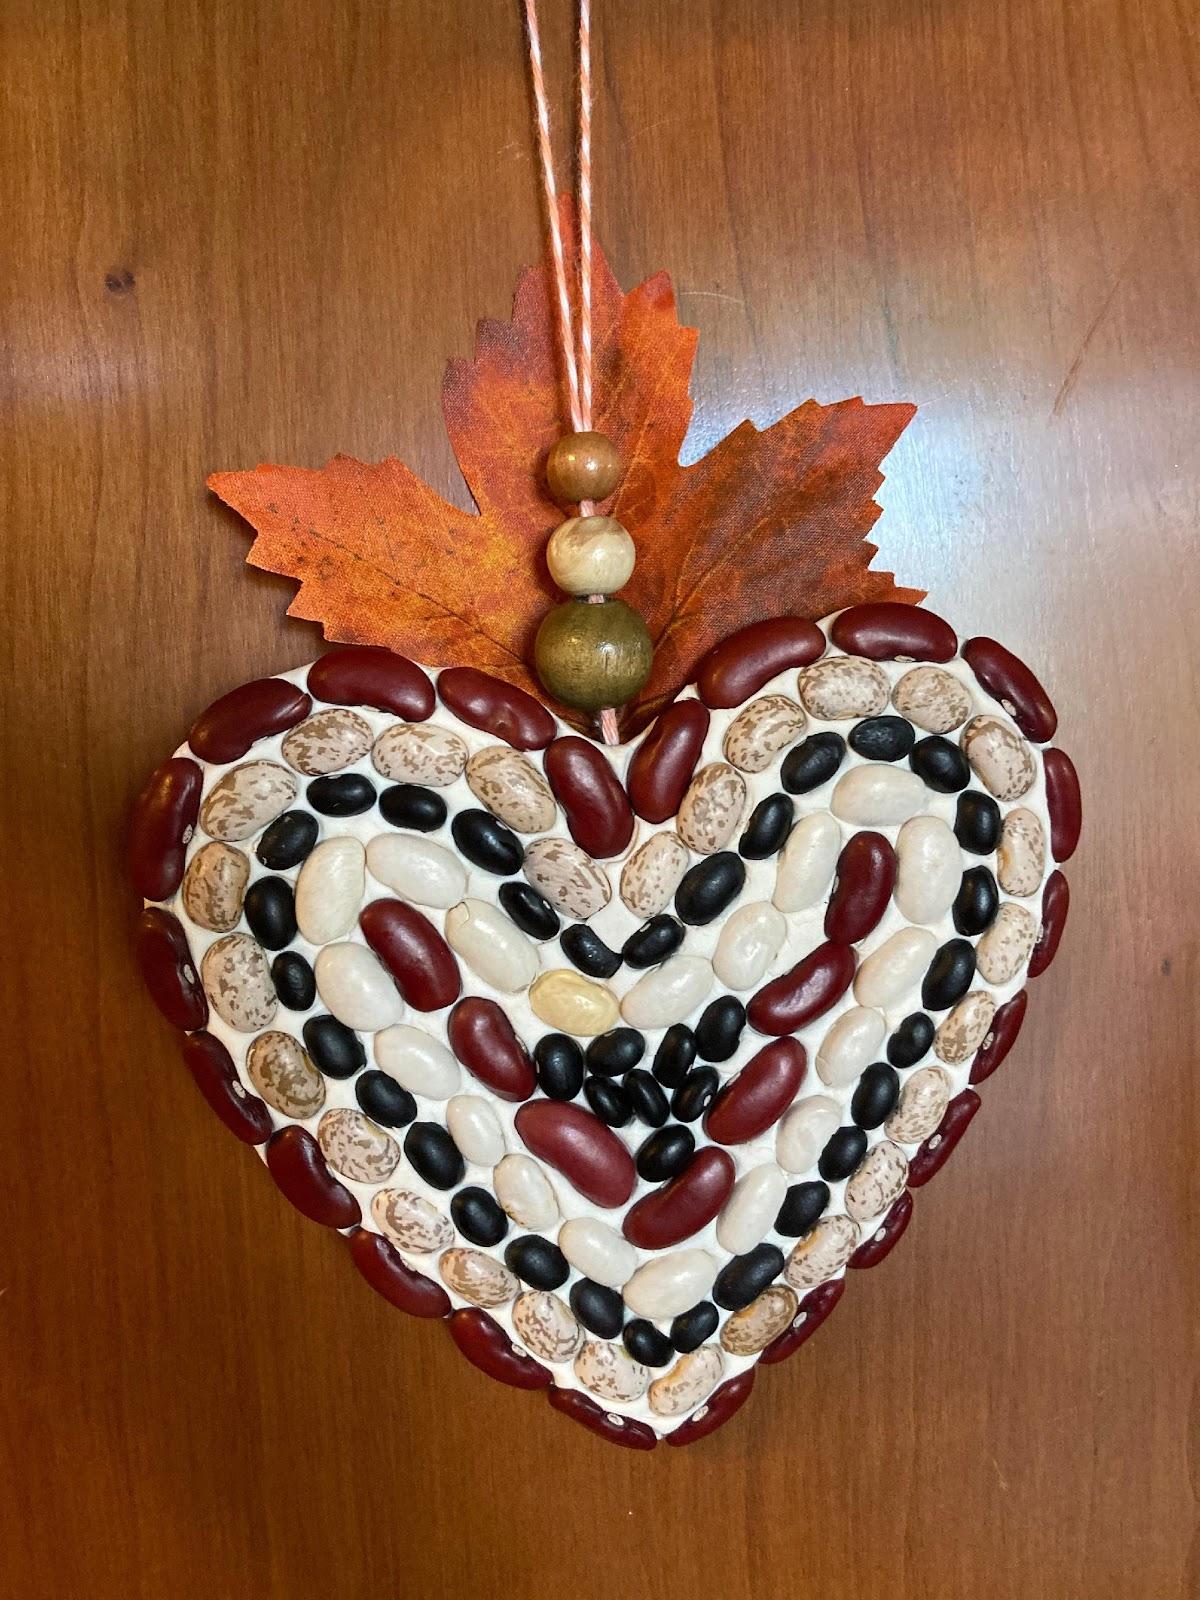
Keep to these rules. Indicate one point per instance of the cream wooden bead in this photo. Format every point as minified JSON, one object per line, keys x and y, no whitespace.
{"x":590,"y":555}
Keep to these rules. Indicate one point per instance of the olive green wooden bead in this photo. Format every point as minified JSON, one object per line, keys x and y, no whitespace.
{"x":582,"y":466}
{"x":593,"y":656}
{"x":590,"y":555}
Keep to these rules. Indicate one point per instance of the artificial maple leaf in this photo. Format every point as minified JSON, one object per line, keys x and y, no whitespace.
{"x":770,"y":521}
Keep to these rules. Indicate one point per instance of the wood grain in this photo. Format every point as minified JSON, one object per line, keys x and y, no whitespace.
{"x":254,"y":231}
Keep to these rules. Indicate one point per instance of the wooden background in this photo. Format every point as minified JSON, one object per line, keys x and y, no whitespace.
{"x":242,"y":230}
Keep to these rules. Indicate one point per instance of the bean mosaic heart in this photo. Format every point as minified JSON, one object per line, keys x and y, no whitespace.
{"x":619,"y":1060}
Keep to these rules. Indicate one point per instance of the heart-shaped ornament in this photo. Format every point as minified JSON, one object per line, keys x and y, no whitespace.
{"x":617,"y":1059}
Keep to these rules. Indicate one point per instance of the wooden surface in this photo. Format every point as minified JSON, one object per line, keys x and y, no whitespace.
{"x":254,"y":231}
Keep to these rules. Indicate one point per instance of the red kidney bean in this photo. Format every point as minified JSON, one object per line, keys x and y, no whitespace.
{"x":815,"y":1307}
{"x":414,"y":952}
{"x":935,"y":1152}
{"x":1001,"y":1037}
{"x":866,"y":876}
{"x":384,"y":1269}
{"x":163,"y":817}
{"x":1009,"y":680}
{"x":168,"y":971}
{"x":211,"y":1065}
{"x":886,"y":1236}
{"x":577,"y":1144}
{"x":792,"y":1000}
{"x":739,"y":666}
{"x":889,"y":630}
{"x":368,"y":675}
{"x":234,"y":722}
{"x":762,"y":1091}
{"x":1064,"y":803}
{"x":617,"y":1430}
{"x":680,"y":1208}
{"x":483,"y":1039}
{"x":663,"y":763}
{"x":590,"y":793}
{"x":298,"y":1167}
{"x":496,"y":707}
{"x":486,"y":1346}
{"x":716,"y":1410}
{"x":1056,"y":901}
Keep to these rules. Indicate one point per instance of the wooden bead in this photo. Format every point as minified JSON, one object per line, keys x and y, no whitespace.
{"x":593,"y":656}
{"x":590,"y":555}
{"x":582,"y":466}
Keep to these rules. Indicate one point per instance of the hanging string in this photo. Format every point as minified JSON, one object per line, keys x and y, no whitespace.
{"x":585,"y":212}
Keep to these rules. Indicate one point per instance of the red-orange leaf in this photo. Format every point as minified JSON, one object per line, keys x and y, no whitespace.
{"x":768,"y":522}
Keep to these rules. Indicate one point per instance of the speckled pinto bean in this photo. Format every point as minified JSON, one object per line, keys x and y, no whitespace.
{"x":414,"y":952}
{"x":739,"y":666}
{"x":496,"y":707}
{"x":586,"y":787}
{"x":935,"y":1152}
{"x":663,"y":763}
{"x":227,"y":728}
{"x":484,"y":1040}
{"x":815,"y":1307}
{"x":368,"y":675}
{"x":755,"y":1100}
{"x":167,"y":969}
{"x":577,"y":1144}
{"x":886,"y":1236}
{"x":617,"y":1430}
{"x":295,"y":1162}
{"x":1064,"y":803}
{"x":887,"y":630}
{"x":1056,"y":900}
{"x":384,"y":1269}
{"x":160,"y":825}
{"x":486,"y":1346}
{"x":682,"y":1207}
{"x":866,"y":876}
{"x":801,"y":994}
{"x":212,"y":1070}
{"x":1010,"y":681}
{"x":1001,"y":1037}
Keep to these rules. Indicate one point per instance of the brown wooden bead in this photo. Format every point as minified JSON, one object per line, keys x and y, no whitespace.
{"x":593,"y":655}
{"x":582,"y":466}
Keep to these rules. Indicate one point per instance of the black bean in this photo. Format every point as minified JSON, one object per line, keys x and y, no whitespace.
{"x":745,"y":1277}
{"x":882,"y":738}
{"x":692,"y":1327}
{"x":710,"y":887}
{"x":346,"y":794}
{"x":949,"y":976}
{"x":977,"y":901}
{"x":977,"y":823}
{"x":585,"y":949}
{"x":876,"y":1095}
{"x":646,"y":1097}
{"x":660,"y":938}
{"x":294,"y":981}
{"x":531,"y":912}
{"x":609,"y":1101}
{"x":911,"y":1041}
{"x":487,"y":843}
{"x":842,"y":1154}
{"x":433,"y":1155}
{"x":335,"y":1048}
{"x":478,"y":1217}
{"x":812,"y":762}
{"x":665,"y":1153}
{"x":803,"y":1206}
{"x":537,"y":1262}
{"x":384,"y":1100}
{"x":940,"y":764}
{"x":288,"y":840}
{"x":695,"y":1094}
{"x":675,"y":1054}
{"x":411,"y":805}
{"x":646,"y":1344}
{"x":768,"y":828}
{"x":270,"y":908}
{"x":599,"y":1308}
{"x":613,"y":1053}
{"x":720,"y":1028}
{"x":559,"y":1061}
